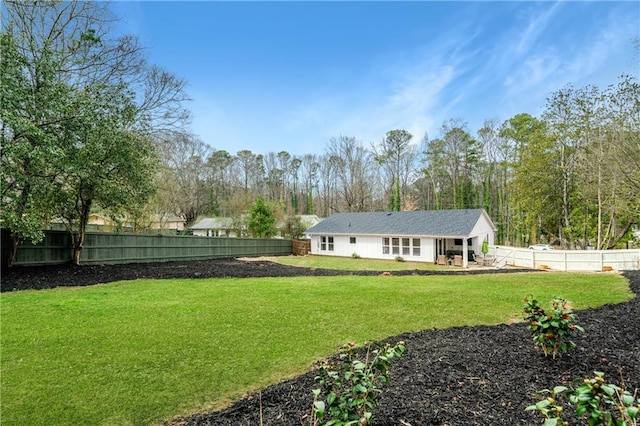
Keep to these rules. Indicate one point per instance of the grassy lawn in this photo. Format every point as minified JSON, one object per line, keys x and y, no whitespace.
{"x":139,"y":352}
{"x":350,"y":264}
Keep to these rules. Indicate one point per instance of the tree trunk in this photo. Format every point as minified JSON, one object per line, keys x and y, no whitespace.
{"x":78,"y":239}
{"x":77,"y":248}
{"x":12,"y":249}
{"x":616,"y":237}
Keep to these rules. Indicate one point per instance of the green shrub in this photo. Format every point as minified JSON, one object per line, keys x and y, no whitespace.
{"x":551,"y":330}
{"x":349,"y":386}
{"x":601,"y":404}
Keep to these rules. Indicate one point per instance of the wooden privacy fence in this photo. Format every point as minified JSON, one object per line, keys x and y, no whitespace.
{"x":104,"y":248}
{"x":301,"y":247}
{"x":567,"y":260}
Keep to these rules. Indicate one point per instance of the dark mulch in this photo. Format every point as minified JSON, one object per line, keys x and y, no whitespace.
{"x":49,"y":276}
{"x":458,"y":376}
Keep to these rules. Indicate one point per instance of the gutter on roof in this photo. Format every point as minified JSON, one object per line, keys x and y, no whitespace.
{"x":387,"y":235}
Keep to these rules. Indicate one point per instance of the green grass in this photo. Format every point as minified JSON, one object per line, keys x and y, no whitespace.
{"x":144,"y":351}
{"x":360,"y":264}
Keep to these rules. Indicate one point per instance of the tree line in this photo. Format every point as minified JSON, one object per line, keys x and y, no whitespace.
{"x":570,"y":176}
{"x":89,"y":125}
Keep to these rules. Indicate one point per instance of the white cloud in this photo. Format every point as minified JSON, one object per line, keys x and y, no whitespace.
{"x":605,"y":48}
{"x":473,"y":70}
{"x":535,"y":29}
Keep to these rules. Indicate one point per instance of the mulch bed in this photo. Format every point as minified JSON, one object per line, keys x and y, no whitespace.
{"x":49,"y":276}
{"x":483,"y":375}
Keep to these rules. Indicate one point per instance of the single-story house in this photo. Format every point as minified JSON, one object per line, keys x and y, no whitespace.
{"x":96,"y":222}
{"x":309,"y":220}
{"x":215,"y":227}
{"x":167,"y":221}
{"x":426,"y":235}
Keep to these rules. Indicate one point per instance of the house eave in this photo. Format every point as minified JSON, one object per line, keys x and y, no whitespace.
{"x":351,"y":234}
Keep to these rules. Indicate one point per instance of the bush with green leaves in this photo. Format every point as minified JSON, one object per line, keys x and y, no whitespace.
{"x":349,"y":386}
{"x":602,"y":404}
{"x":552,"y":329}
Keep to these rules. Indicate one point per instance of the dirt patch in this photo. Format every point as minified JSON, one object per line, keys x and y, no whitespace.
{"x":457,"y":376}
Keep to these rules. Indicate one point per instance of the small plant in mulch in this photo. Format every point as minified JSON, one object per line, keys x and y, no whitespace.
{"x":349,"y":386}
{"x":552,"y":329}
{"x":600,"y":403}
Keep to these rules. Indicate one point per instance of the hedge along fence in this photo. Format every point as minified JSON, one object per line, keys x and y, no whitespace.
{"x":104,"y":248}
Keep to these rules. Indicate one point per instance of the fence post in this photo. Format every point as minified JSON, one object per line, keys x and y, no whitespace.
{"x":533,"y":259}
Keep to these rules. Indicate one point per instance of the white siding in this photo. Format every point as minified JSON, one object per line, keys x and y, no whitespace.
{"x":429,"y":249}
{"x":482,"y":230}
{"x":214,"y":233}
{"x":370,"y":247}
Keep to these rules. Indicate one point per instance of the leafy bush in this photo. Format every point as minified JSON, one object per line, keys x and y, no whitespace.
{"x":602,"y":404}
{"x":350,"y":386}
{"x":355,"y":255}
{"x":551,"y":330}
{"x":399,"y":259}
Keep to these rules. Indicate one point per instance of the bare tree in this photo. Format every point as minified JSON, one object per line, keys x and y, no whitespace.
{"x":310,"y":176}
{"x":354,"y":172}
{"x":397,"y":157}
{"x":184,"y":158}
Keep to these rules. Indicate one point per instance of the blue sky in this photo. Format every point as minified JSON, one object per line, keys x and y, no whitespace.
{"x":274,"y":76}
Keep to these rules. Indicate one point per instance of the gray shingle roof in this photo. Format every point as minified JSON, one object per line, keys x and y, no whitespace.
{"x":435,"y":223}
{"x":214,"y":223}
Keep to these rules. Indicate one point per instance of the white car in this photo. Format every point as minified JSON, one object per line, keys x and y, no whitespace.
{"x":540,"y":247}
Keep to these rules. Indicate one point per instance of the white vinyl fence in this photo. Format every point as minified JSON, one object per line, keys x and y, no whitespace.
{"x":566,"y":260}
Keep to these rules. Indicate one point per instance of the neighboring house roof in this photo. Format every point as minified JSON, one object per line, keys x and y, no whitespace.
{"x":306,"y":219}
{"x":438,"y":223}
{"x":214,"y":223}
{"x":311,"y":219}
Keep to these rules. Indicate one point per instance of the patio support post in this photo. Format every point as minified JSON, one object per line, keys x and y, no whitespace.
{"x":465,"y":253}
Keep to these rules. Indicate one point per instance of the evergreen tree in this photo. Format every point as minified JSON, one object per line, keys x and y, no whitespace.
{"x":261,"y":219}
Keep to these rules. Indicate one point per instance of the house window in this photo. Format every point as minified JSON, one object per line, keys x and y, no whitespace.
{"x":458,"y":241}
{"x":416,"y":246}
{"x":395,"y":246}
{"x":326,"y":243}
{"x":352,"y":240}
{"x":406,"y":248}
